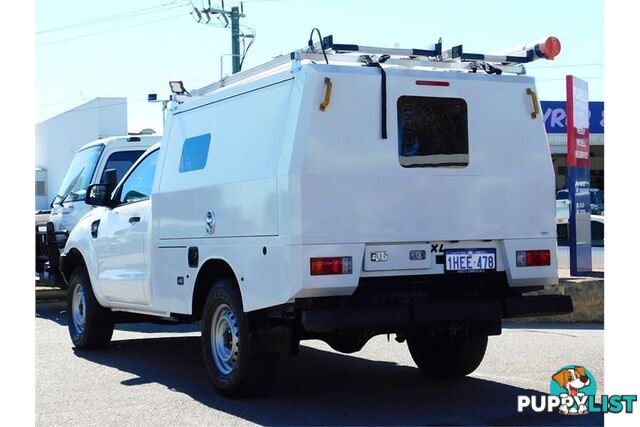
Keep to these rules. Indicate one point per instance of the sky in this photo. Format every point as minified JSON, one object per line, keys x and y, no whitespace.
{"x":88,"y":48}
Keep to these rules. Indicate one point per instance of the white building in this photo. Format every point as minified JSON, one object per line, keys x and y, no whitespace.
{"x":58,"y":139}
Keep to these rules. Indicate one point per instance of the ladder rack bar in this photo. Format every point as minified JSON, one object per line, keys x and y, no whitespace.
{"x":521,"y":57}
{"x":409,"y":63}
{"x":433,"y":50}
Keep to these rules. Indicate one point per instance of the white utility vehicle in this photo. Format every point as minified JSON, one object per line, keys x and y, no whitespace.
{"x":104,"y":160}
{"x":335,"y":193}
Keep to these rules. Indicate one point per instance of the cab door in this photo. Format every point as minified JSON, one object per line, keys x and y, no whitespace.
{"x":122,"y":233}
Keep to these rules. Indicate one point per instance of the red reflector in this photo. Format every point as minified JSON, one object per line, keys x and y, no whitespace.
{"x":431,"y":83}
{"x":331,"y":265}
{"x":533,"y":258}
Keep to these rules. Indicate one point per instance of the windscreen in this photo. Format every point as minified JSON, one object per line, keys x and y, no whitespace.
{"x":78,"y":177}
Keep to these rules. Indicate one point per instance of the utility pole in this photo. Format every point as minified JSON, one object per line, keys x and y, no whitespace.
{"x":204,"y":16}
{"x":235,"y":38}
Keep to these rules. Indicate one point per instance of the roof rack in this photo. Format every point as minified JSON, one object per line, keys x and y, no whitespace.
{"x":431,"y":57}
{"x":434,"y":50}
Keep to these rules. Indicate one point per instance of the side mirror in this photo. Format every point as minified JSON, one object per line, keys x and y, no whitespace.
{"x":98,"y":195}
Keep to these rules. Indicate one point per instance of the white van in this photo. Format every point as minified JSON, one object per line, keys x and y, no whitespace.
{"x":335,"y":201}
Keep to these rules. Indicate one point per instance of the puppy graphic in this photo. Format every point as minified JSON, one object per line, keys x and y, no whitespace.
{"x":572,"y":379}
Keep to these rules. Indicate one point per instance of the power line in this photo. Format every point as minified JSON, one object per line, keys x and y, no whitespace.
{"x":120,"y":16}
{"x":111,"y":30}
{"x":246,"y":47}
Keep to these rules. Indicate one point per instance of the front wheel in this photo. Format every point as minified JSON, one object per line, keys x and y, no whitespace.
{"x":447,"y":355}
{"x":90,"y":324}
{"x":232,"y":356}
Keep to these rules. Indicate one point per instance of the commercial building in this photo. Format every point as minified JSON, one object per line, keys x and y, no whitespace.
{"x":58,"y":139}
{"x":555,"y":122}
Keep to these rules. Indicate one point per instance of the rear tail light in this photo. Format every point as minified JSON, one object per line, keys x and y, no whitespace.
{"x":536,"y":258}
{"x":331,"y":265}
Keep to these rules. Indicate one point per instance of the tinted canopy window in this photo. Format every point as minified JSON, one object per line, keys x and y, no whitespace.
{"x":195,"y":151}
{"x":432,"y":131}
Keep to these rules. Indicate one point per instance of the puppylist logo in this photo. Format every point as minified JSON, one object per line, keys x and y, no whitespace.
{"x":572,"y":391}
{"x":574,"y":385}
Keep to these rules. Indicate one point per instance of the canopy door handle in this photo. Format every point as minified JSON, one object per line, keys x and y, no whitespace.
{"x":534,"y":101}
{"x":327,"y":94}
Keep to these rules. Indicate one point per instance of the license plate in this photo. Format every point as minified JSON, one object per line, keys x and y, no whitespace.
{"x":470,"y":260}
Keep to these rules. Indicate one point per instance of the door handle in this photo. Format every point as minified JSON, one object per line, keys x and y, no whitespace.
{"x":534,"y":101}
{"x":134,"y":219}
{"x":327,"y":94}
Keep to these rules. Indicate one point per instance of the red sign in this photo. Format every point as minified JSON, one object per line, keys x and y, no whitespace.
{"x":577,"y":123}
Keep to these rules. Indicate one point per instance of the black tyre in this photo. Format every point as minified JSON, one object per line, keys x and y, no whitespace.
{"x":90,"y":324}
{"x":232,"y":356}
{"x":447,"y":356}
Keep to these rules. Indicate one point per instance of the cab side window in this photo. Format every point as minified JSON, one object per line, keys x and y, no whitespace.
{"x":138,"y":184}
{"x":121,"y":161}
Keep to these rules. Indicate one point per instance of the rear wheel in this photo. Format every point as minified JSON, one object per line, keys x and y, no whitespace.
{"x":232,"y":356}
{"x":447,"y":355}
{"x":90,"y":324}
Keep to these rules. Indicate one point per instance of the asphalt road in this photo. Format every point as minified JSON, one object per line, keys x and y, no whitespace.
{"x":154,"y":375}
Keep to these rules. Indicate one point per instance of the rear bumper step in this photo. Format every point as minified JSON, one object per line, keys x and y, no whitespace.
{"x":340,"y":319}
